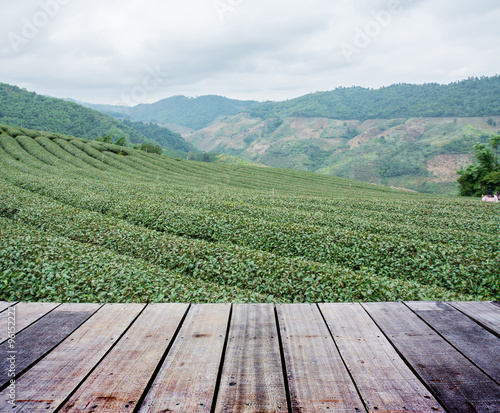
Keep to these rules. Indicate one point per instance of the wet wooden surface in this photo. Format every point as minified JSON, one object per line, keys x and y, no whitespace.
{"x":369,"y":357}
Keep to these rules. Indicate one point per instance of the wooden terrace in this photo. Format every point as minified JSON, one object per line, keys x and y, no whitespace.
{"x":369,"y":357}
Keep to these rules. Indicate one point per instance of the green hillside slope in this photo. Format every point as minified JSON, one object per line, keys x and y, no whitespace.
{"x":193,"y":113}
{"x":468,"y":98}
{"x":28,"y":109}
{"x":422,"y":154}
{"x":87,"y":221}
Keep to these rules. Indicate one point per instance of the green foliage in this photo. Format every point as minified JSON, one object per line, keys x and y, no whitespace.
{"x":194,"y":113}
{"x":23,"y":108}
{"x":273,"y":124}
{"x":90,"y":221}
{"x":105,"y":139}
{"x":162,"y":136}
{"x":151,"y":148}
{"x":121,"y":141}
{"x":471,"y":97}
{"x":484,"y":174}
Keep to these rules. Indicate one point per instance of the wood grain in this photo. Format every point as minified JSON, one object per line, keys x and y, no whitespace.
{"x":455,"y":381}
{"x":476,"y":343}
{"x":485,"y":313}
{"x":118,"y":382}
{"x":53,"y":379}
{"x":41,"y":337}
{"x":186,"y":381}
{"x":252,"y":377}
{"x":317,"y":377}
{"x":25,"y":314}
{"x":384,"y":381}
{"x":6,"y":304}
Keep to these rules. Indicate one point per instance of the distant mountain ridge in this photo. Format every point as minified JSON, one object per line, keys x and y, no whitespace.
{"x":468,"y":98}
{"x":421,"y":154}
{"x":193,"y":113}
{"x":472,"y":97}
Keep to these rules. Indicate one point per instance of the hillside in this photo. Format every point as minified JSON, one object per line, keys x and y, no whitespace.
{"x":93,"y":222}
{"x":179,"y":112}
{"x":421,"y":154}
{"x":19,"y":107}
{"x":410,"y":136}
{"x":469,"y":98}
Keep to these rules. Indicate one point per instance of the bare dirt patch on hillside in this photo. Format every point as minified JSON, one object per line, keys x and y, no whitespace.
{"x":445,"y":167}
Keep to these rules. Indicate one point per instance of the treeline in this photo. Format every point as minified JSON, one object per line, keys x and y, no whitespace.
{"x":471,"y":97}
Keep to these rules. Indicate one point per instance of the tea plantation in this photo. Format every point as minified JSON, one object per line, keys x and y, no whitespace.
{"x":85,"y":221}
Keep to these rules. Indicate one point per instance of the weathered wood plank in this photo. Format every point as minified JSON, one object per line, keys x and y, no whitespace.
{"x":252,"y":378}
{"x":6,"y":304}
{"x":47,"y":384}
{"x":25,"y":315}
{"x":186,"y":381}
{"x":455,"y":381}
{"x":383,"y":379}
{"x":39,"y":338}
{"x":477,"y":344}
{"x":317,"y":377}
{"x":118,"y":382}
{"x":483,"y":312}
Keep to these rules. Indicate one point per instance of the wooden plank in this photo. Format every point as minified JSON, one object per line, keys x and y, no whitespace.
{"x":455,"y":381}
{"x":186,"y":381}
{"x":317,"y":377}
{"x":6,"y":304}
{"x":109,"y":388}
{"x":476,"y":343}
{"x":252,"y":377}
{"x":25,"y":314}
{"x":39,"y":338}
{"x":483,"y":312}
{"x":47,"y":384}
{"x":383,"y":379}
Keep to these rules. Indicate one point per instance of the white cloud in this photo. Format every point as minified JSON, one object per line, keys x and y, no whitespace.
{"x":98,"y":51}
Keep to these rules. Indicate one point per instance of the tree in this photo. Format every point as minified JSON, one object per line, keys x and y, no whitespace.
{"x":482,"y":175}
{"x":151,"y":148}
{"x":495,"y":141}
{"x":106,"y":139}
{"x":206,"y":158}
{"x":121,"y":141}
{"x":191,"y":156}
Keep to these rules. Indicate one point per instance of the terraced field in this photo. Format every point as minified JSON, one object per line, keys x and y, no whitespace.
{"x":93,"y":222}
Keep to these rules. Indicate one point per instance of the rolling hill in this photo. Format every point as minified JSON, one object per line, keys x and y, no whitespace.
{"x":87,"y":221}
{"x":473,"y":97}
{"x":410,"y":136}
{"x":422,"y":154}
{"x":179,"y":112}
{"x":18,"y":107}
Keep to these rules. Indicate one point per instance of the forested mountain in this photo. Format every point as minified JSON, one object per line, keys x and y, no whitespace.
{"x":19,"y":107}
{"x":422,"y":154}
{"x":471,"y":97}
{"x":194,"y":113}
{"x":162,"y":136}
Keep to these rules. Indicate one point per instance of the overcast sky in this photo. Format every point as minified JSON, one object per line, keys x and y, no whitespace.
{"x":131,"y":51}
